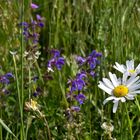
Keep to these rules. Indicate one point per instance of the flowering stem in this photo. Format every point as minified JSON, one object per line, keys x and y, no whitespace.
{"x":129,"y":122}
{"x":46,"y":124}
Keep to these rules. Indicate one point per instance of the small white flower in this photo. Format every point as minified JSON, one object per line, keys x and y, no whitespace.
{"x":108,"y":127}
{"x":120,"y":89}
{"x":128,"y":68}
{"x":50,"y":69}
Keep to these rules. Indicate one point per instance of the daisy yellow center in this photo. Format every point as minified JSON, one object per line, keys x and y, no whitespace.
{"x":120,"y":91}
{"x":132,"y":71}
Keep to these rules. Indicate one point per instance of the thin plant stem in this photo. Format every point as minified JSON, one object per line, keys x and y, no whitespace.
{"x":18,"y":90}
{"x":1,"y":136}
{"x":22,"y":72}
{"x":62,"y":89}
{"x":39,"y":71}
{"x":129,"y":122}
{"x":29,"y":76}
{"x":48,"y":130}
{"x":46,"y":124}
{"x":137,"y":103}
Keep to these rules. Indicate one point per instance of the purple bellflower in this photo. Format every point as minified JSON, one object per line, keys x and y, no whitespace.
{"x":80,"y":98}
{"x":5,"y":79}
{"x":56,"y":60}
{"x":78,"y":83}
{"x":75,"y":108}
{"x":92,"y":59}
{"x":34,"y":6}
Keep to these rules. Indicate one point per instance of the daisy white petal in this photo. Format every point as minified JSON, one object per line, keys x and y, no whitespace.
{"x":104,"y":87}
{"x":134,"y":92}
{"x":123,"y":99}
{"x":113,"y":79}
{"x":108,"y":99}
{"x":134,"y":87}
{"x":124,"y":79}
{"x":132,"y":80}
{"x":120,"y":67}
{"x":130,"y":97}
{"x":108,"y":83}
{"x":138,"y":69}
{"x":115,"y":106}
{"x":130,"y":64}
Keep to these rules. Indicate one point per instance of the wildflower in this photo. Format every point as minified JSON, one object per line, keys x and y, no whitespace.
{"x":5,"y":91}
{"x":55,"y":53}
{"x":92,"y":73}
{"x":40,"y":20}
{"x":31,"y":105}
{"x":92,"y":60}
{"x":35,"y":78}
{"x":50,"y":69}
{"x":5,"y":79}
{"x":78,"y":83}
{"x":75,"y":108}
{"x":37,"y":92}
{"x":128,"y":69}
{"x":108,"y":127}
{"x":34,"y":6}
{"x":122,"y":89}
{"x":80,"y":60}
{"x":56,"y":61}
{"x":80,"y":98}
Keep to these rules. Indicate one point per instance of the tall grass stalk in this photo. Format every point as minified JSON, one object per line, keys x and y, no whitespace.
{"x":21,"y":96}
{"x":1,"y":135}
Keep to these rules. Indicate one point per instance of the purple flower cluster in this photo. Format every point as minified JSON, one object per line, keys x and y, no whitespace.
{"x":90,"y":61}
{"x":5,"y":80}
{"x":76,"y":87}
{"x":78,"y":83}
{"x":30,"y":30}
{"x":87,"y":66}
{"x":37,"y":92}
{"x":56,"y":60}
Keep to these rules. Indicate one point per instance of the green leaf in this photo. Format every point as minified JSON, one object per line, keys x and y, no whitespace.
{"x":7,"y":128}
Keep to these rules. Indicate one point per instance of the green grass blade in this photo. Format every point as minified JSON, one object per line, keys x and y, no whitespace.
{"x":7,"y":128}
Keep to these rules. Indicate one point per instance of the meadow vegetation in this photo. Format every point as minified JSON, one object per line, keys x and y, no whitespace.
{"x":53,"y":55}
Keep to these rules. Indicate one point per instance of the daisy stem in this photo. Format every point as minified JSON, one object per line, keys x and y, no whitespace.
{"x":129,"y":122}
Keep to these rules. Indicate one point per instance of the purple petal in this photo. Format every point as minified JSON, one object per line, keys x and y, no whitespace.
{"x":34,"y":6}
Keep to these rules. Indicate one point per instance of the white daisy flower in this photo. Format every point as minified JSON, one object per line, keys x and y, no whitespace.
{"x":120,"y":89}
{"x":128,"y":69}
